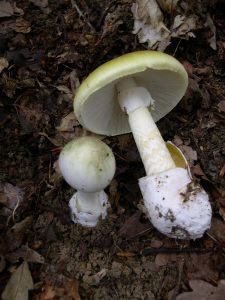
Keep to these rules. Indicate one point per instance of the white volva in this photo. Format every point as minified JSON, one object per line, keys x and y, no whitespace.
{"x":176,"y":205}
{"x":88,"y":165}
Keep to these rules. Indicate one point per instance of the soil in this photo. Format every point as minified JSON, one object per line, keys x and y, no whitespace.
{"x":57,"y":46}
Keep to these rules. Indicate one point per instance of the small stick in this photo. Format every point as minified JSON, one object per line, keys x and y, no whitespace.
{"x":152,"y":251}
{"x":74,"y":5}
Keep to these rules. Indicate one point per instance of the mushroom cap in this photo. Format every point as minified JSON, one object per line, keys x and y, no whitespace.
{"x":96,"y":105}
{"x":87,"y":164}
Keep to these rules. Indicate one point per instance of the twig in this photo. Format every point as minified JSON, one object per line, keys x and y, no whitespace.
{"x":177,"y":287}
{"x":74,"y":5}
{"x":152,"y":251}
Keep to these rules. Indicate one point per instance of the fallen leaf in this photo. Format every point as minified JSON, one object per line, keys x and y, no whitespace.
{"x":204,"y":291}
{"x":19,"y":284}
{"x":6,"y":9}
{"x":133,"y":226}
{"x":73,"y":286}
{"x":21,"y":25}
{"x":149,"y":23}
{"x":11,"y":197}
{"x":68,"y":123}
{"x":58,"y":286}
{"x":221,"y":106}
{"x":40,"y":3}
{"x":163,"y":259}
{"x":96,"y":278}
{"x":189,"y":153}
{"x":3,"y":63}
{"x":217,"y":230}
{"x":16,"y":234}
{"x":222,"y":171}
{"x":126,"y":254}
{"x":168,"y":5}
{"x":212,"y":37}
{"x":201,"y":266}
{"x":27,"y":254}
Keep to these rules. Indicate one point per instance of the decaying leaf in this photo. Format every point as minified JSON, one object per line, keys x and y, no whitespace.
{"x":148,"y":24}
{"x":40,"y":3}
{"x":68,"y":123}
{"x":61,"y":287}
{"x":16,"y":234}
{"x":221,"y":106}
{"x":19,"y":284}
{"x":3,"y":63}
{"x":96,"y":278}
{"x":203,"y":290}
{"x":26,"y":254}
{"x":167,"y":5}
{"x":212,"y":38}
{"x":201,"y":266}
{"x":8,"y":9}
{"x":11,"y":197}
{"x":133,"y":226}
{"x":156,"y":28}
{"x":217,"y":230}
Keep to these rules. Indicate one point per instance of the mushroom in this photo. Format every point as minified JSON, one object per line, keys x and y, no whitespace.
{"x":131,"y":93}
{"x":88,"y":165}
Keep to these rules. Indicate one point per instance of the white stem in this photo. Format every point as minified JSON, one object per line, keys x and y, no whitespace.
{"x":89,"y":202}
{"x":151,"y":146}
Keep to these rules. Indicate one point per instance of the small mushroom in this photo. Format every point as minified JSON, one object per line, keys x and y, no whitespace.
{"x":131,"y":93}
{"x":88,"y":165}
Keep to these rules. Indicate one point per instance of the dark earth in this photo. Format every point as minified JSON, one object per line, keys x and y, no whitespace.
{"x":50,"y":49}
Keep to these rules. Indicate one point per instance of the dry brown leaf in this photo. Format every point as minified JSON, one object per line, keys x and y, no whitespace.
{"x":204,"y":291}
{"x":217,"y":230}
{"x":47,"y":294}
{"x":221,"y":106}
{"x":40,"y":3}
{"x":3,"y":63}
{"x":163,"y":259}
{"x":133,"y":226}
{"x":96,"y":278}
{"x":26,"y":254}
{"x":60,"y":287}
{"x":68,"y":123}
{"x":6,"y":9}
{"x":11,"y":197}
{"x":16,"y":234}
{"x":126,"y":254}
{"x":21,"y":25}
{"x":19,"y":284}
{"x":201,"y":266}
{"x":73,"y":286}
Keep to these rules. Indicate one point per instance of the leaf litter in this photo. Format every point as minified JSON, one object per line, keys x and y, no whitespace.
{"x":47,"y":49}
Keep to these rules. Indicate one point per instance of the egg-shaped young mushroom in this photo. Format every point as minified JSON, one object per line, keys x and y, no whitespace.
{"x":130,"y":93}
{"x":88,"y":165}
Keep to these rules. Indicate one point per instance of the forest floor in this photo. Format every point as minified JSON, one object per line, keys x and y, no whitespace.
{"x":46,"y":49}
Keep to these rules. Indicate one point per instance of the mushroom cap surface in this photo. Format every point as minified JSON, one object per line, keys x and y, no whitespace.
{"x":87,"y":164}
{"x":96,"y":105}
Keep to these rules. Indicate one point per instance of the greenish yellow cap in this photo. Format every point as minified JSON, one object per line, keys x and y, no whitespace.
{"x":96,"y":106}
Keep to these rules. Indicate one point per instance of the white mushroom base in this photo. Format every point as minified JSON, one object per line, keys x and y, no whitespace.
{"x":177,"y":207}
{"x":87,"y":213}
